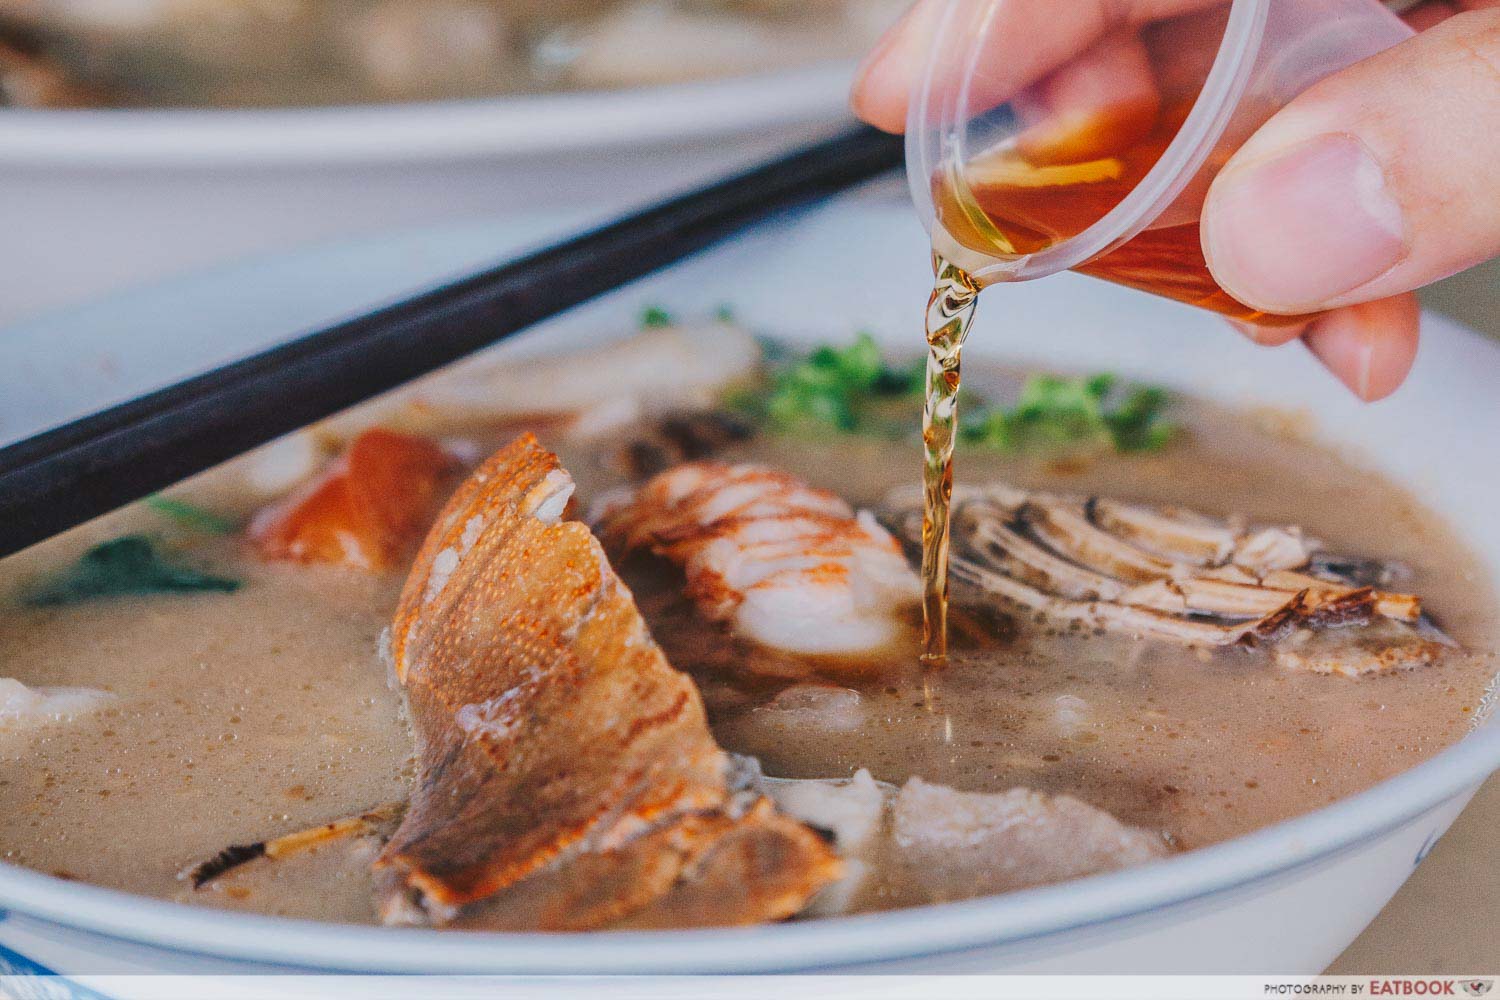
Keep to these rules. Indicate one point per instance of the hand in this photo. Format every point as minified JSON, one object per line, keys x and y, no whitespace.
{"x":1378,"y":180}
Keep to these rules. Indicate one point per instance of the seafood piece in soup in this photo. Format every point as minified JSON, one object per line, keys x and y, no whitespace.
{"x":927,"y":842}
{"x":568,"y":777}
{"x":963,"y":844}
{"x":853,"y":811}
{"x":365,"y":511}
{"x":655,"y":373}
{"x":788,"y":566}
{"x":23,"y":707}
{"x":1182,"y":577}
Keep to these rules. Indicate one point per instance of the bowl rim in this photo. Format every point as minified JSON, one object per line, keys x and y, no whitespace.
{"x":1282,"y":849}
{"x":503,"y":128}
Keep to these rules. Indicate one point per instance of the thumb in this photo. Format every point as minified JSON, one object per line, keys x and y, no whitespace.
{"x":1376,"y":181}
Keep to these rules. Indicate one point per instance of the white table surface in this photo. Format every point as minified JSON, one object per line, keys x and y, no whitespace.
{"x":1446,"y":919}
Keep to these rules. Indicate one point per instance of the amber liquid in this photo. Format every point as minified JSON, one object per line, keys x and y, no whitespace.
{"x":1034,"y":192}
{"x":950,"y":313}
{"x":1022,"y":198}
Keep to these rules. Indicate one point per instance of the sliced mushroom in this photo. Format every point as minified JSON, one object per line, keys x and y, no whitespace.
{"x":1181,"y":576}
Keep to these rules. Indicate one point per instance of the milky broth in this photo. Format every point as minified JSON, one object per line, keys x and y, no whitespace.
{"x":241,"y":716}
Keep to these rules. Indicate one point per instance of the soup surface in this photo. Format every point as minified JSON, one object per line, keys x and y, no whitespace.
{"x":233,"y":717}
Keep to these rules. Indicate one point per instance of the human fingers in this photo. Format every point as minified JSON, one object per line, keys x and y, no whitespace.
{"x":1375,"y":182}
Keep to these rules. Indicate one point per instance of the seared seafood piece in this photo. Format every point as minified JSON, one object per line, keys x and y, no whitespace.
{"x":568,"y":778}
{"x":365,"y":511}
{"x":788,"y":566}
{"x":1181,"y":576}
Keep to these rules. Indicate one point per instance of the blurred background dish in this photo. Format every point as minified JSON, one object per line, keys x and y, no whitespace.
{"x":239,"y":53}
{"x":221,"y":129}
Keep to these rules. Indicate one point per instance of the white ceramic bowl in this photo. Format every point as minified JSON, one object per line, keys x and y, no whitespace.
{"x":96,"y":201}
{"x":1286,"y":899}
{"x":425,"y":132}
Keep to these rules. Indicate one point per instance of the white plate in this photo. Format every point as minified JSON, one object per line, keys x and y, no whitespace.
{"x":1286,"y":899}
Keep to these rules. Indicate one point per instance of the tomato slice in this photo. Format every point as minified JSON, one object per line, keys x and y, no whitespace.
{"x":365,"y":511}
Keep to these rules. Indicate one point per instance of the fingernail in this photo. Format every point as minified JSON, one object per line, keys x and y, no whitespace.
{"x":1348,"y":353}
{"x":1292,"y":233}
{"x":1370,"y":347}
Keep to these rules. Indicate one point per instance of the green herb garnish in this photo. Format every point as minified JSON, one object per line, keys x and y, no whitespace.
{"x":832,"y":388}
{"x":725,"y":313}
{"x":1055,"y":412}
{"x":128,"y":565}
{"x":655,"y":317}
{"x":190,"y":515}
{"x":1137,"y":424}
{"x":850,"y":389}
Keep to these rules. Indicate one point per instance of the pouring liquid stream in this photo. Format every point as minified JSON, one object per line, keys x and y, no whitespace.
{"x":950,"y":313}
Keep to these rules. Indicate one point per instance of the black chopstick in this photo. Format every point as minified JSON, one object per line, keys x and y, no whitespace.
{"x":74,"y":473}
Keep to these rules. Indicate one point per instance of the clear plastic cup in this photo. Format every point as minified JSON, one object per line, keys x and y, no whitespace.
{"x":1047,"y":135}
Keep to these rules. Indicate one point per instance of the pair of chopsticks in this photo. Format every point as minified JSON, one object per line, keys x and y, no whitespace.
{"x":74,"y":473}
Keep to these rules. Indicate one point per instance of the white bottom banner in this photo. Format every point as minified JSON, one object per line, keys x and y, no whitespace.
{"x":870,"y":987}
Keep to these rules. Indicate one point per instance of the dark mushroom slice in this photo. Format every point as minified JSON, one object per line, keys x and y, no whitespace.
{"x":1144,"y":623}
{"x":1033,"y":563}
{"x":1178,"y":576}
{"x":677,"y":438}
{"x":1171,"y":533}
{"x":1227,"y":590}
{"x":1066,"y":530}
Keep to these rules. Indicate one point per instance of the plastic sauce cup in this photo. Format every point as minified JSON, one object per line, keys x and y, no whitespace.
{"x":1047,"y":135}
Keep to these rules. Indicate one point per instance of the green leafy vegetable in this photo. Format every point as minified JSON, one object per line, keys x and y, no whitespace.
{"x":832,"y":388}
{"x":190,"y":515}
{"x":852,"y":389}
{"x":908,"y":381}
{"x":725,"y":313}
{"x":654,"y":317}
{"x":128,"y":565}
{"x":1055,"y":412}
{"x":1136,"y":424}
